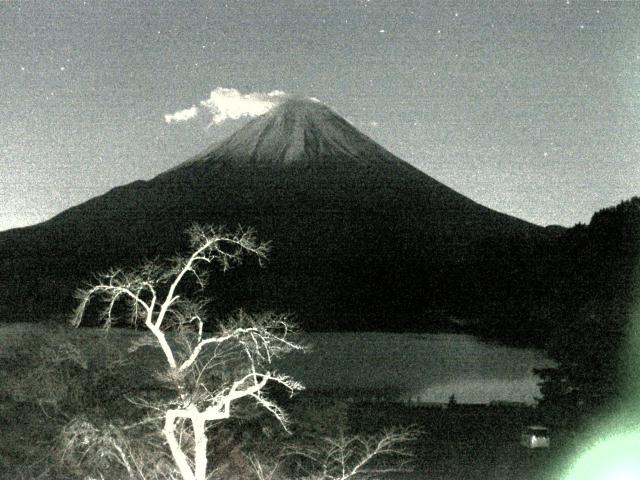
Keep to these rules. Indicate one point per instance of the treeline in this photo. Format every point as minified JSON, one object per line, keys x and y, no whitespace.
{"x":583,"y":297}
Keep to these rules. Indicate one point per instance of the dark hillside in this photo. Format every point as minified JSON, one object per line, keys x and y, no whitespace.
{"x":582,"y":311}
{"x":361,"y":239}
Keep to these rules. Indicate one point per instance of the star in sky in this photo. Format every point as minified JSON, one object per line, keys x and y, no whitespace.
{"x":485,"y":92}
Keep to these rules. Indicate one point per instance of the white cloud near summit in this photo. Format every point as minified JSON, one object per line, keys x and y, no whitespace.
{"x":182,"y":115}
{"x":229,"y":104}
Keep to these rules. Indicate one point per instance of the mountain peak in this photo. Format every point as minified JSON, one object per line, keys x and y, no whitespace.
{"x":294,"y":105}
{"x":297,"y":130}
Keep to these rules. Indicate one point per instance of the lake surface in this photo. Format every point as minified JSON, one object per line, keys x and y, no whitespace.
{"x":419,"y":367}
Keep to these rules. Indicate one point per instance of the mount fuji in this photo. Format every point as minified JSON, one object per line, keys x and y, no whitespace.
{"x":360,"y":238}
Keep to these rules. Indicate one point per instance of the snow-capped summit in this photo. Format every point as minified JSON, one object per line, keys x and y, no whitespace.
{"x":298,"y":129}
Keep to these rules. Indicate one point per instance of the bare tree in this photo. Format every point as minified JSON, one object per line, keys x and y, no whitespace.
{"x":210,"y":373}
{"x":351,"y":457}
{"x":344,"y":457}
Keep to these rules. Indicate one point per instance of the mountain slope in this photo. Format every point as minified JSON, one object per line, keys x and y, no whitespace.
{"x":360,"y":238}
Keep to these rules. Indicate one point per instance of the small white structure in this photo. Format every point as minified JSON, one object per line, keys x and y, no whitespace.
{"x":535,"y":436}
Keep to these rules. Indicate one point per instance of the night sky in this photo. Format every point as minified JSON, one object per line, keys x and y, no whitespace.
{"x":532,"y":109}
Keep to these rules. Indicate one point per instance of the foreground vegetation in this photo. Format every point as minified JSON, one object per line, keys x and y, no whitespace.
{"x":462,"y":442}
{"x":40,"y":395}
{"x":66,"y":394}
{"x":109,"y":423}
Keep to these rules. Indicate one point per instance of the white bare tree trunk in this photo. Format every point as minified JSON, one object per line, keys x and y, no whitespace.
{"x":256,"y":339}
{"x":179,"y":456}
{"x":200,"y":449}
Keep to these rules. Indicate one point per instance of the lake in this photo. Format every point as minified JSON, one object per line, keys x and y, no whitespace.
{"x":419,"y":367}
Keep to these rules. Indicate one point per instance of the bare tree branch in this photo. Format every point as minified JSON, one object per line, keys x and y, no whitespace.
{"x":210,"y":374}
{"x":344,"y":457}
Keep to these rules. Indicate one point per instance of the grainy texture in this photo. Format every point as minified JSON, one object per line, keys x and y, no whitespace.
{"x":530,"y":108}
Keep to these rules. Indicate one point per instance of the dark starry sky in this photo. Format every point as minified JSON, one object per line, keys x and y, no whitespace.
{"x":530,"y":108}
